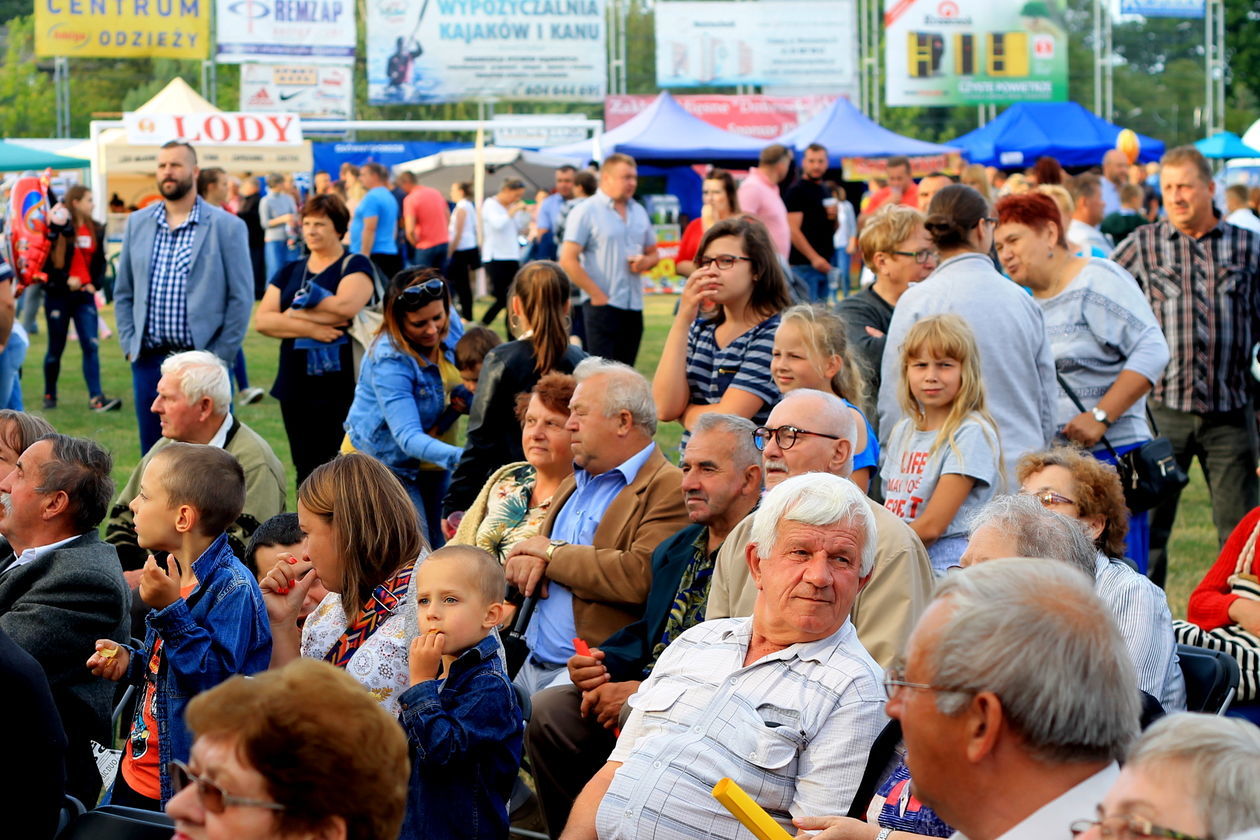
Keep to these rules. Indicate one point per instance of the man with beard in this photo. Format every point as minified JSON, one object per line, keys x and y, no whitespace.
{"x":180,"y":256}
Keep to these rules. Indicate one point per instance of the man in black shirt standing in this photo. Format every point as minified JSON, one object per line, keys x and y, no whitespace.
{"x":812,"y":223}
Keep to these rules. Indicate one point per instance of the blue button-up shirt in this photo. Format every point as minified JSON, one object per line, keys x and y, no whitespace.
{"x":167,"y":322}
{"x":607,"y":242}
{"x":548,"y":210}
{"x":552,"y":629}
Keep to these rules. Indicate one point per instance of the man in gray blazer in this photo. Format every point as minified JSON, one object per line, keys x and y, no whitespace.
{"x":61,"y":588}
{"x":184,"y":281}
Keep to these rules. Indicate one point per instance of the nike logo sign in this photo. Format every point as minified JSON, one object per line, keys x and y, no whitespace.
{"x":285,"y":97}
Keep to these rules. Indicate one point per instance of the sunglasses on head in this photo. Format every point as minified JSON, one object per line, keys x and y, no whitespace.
{"x":413,"y":297}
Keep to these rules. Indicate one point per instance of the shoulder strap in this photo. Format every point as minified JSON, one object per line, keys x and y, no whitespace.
{"x":1081,"y":407}
{"x":1248,"y":553}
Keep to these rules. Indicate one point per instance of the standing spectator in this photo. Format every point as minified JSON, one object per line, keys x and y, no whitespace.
{"x":183,"y":281}
{"x":1047,"y":171}
{"x":545,"y":246}
{"x":720,"y":202}
{"x":322,"y":184}
{"x":844,"y":239}
{"x":608,"y":243}
{"x":1240,"y":213}
{"x":584,"y":186}
{"x":426,"y":221}
{"x":277,"y":212}
{"x":76,"y":269}
{"x":1015,"y":356}
{"x":375,"y":221}
{"x":931,"y":185}
{"x":399,"y":191}
{"x":501,"y":243}
{"x":812,"y":214}
{"x":1130,"y":216}
{"x":759,"y":195}
{"x":1087,"y":214}
{"x":249,"y":199}
{"x":1200,"y":276}
{"x":986,"y":181}
{"x":351,"y":186}
{"x":901,"y":188}
{"x":461,"y":247}
{"x":1115,"y":167}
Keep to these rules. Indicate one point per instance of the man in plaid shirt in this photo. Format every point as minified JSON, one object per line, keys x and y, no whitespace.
{"x":1200,"y":274}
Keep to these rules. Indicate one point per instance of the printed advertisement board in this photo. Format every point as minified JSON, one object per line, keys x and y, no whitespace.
{"x":752,"y":115}
{"x":266,"y":30}
{"x":123,"y":28}
{"x":974,"y":52}
{"x":220,"y":128}
{"x":317,"y":91}
{"x":1163,"y":8}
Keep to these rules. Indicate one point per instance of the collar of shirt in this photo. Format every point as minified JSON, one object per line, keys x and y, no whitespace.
{"x":220,"y":437}
{"x":1076,"y":803}
{"x":1171,"y":231}
{"x":607,"y":200}
{"x":816,"y":651}
{"x":194,"y":215}
{"x":629,"y":468}
{"x":34,"y":553}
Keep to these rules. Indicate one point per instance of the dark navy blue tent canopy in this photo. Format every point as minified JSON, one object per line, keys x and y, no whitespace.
{"x":1064,"y":131}
{"x":847,"y":132}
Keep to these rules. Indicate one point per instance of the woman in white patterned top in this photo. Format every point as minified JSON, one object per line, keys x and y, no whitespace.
{"x":363,"y":543}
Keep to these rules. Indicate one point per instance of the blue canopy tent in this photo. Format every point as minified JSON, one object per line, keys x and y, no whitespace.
{"x":847,"y":132}
{"x":16,"y":158}
{"x":1064,"y":131}
{"x":1227,"y":144}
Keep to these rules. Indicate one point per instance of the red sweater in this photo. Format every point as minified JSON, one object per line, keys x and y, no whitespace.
{"x":1211,"y":599}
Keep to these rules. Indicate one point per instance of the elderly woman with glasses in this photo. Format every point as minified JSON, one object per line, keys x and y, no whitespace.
{"x":404,"y":386}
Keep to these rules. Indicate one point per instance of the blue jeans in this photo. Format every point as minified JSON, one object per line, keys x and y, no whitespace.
{"x":146,"y":370}
{"x":814,"y":282}
{"x":840,"y":263}
{"x":429,"y":257}
{"x":277,"y":254}
{"x":238,"y":370}
{"x":28,"y":307}
{"x":60,"y":308}
{"x":11,"y":368}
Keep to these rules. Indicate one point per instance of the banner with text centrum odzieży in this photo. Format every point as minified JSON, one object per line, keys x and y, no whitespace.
{"x":123,"y":28}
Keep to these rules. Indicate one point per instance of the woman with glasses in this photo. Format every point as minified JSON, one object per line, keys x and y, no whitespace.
{"x":308,"y":306}
{"x":403,"y":388}
{"x":1108,"y":348}
{"x":895,"y":246}
{"x":301,"y":752}
{"x":721,"y":362}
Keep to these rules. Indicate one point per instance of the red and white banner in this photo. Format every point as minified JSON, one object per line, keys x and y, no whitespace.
{"x":764,"y":117}
{"x":219,"y":128}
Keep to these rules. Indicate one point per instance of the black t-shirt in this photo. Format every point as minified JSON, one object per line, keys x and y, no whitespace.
{"x":806,"y":197}
{"x":247,"y":212}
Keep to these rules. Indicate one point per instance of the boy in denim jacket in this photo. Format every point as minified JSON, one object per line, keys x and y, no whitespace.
{"x":464,"y":729}
{"x":207,"y":620}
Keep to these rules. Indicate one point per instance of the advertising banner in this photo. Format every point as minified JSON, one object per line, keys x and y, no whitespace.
{"x":1163,"y":8}
{"x":318,"y":91}
{"x":266,"y":30}
{"x":864,"y":169}
{"x":251,"y":158}
{"x":421,"y":51}
{"x":974,"y":52}
{"x":123,"y":28}
{"x":220,"y":128}
{"x":752,"y":115}
{"x":809,"y":43}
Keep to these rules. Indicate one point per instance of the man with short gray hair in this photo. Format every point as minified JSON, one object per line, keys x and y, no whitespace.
{"x":592,"y":557}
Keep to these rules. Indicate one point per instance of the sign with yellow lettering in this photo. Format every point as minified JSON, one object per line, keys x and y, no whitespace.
{"x":123,"y":28}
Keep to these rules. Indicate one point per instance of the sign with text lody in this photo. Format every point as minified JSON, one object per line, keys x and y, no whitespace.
{"x":214,"y":128}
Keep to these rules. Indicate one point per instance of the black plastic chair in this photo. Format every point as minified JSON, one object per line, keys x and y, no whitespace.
{"x":1211,"y":676}
{"x":71,"y":809}
{"x":114,"y":822}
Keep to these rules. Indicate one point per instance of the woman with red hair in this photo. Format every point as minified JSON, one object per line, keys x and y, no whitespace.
{"x":1107,"y":346}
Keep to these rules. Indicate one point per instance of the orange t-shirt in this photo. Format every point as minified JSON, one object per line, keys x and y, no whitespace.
{"x":141,"y":765}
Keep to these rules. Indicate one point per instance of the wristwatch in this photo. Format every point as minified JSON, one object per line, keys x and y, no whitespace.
{"x":553,"y":545}
{"x":1101,"y":416}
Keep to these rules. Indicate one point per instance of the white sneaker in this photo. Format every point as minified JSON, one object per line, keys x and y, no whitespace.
{"x":250,"y":396}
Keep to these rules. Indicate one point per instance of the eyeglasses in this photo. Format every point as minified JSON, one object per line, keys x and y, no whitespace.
{"x":724,"y":261}
{"x":922,"y":256}
{"x":413,"y":297}
{"x":894,"y":678}
{"x":785,"y":436}
{"x":989,"y":219}
{"x":1127,"y":828}
{"x":212,"y":797}
{"x":1049,"y":498}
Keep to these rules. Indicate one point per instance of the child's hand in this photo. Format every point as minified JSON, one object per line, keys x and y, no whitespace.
{"x":109,"y":661}
{"x":284,"y":588}
{"x":425,"y":656}
{"x":159,"y":587}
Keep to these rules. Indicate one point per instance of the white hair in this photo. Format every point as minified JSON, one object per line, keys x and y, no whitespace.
{"x":833,"y":415}
{"x":744,"y":452}
{"x":201,"y":374}
{"x":1033,"y":632}
{"x":627,"y":390}
{"x":1219,"y":760}
{"x":815,"y":498}
{"x":1038,"y":531}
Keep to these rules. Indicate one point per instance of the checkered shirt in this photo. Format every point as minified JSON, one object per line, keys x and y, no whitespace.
{"x":167,"y":321}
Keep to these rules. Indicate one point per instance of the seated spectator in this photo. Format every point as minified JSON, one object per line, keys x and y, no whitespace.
{"x":281,"y":537}
{"x":18,"y":430}
{"x":1188,"y":775}
{"x":1023,"y":526}
{"x":61,"y":588}
{"x":539,"y":310}
{"x":592,"y":557}
{"x":298,"y":752}
{"x":516,"y":499}
{"x":362,"y":543}
{"x":194,"y":405}
{"x":720,"y":201}
{"x":32,"y":798}
{"x":464,"y":730}
{"x":206,"y":620}
{"x":810,"y":431}
{"x":785,"y":703}
{"x":572,"y":729}
{"x":719,"y":362}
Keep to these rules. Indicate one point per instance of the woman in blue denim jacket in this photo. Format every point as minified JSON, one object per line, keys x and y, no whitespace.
{"x":401,"y":394}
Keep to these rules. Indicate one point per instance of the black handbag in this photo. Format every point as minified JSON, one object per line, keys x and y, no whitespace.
{"x":1148,"y":473}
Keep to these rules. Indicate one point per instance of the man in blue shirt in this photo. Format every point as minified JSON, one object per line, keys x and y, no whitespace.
{"x":374,"y":228}
{"x":544,"y":246}
{"x":592,"y":560}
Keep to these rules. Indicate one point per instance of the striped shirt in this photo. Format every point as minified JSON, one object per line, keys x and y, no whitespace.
{"x":167,"y":321}
{"x":1205,"y":293}
{"x":793,"y":729}
{"x":743,"y":364}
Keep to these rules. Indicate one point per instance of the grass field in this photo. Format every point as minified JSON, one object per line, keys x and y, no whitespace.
{"x":1193,"y":547}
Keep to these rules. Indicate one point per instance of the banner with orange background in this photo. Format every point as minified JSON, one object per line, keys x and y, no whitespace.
{"x":864,"y":169}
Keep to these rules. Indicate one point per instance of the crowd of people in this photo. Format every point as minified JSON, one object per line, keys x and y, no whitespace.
{"x":891,"y":583}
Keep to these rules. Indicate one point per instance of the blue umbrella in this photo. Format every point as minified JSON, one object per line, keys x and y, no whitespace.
{"x":15,"y":158}
{"x":1227,"y":144}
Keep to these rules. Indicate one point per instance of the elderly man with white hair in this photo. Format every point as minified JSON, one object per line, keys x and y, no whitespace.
{"x":194,"y":398}
{"x":786,"y":703}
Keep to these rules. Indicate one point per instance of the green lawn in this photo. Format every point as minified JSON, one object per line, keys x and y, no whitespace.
{"x":1193,"y":545}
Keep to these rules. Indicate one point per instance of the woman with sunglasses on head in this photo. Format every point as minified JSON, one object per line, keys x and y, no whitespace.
{"x":721,"y":362}
{"x":404,"y":383}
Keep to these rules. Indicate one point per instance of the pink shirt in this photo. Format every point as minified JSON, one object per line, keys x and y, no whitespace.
{"x":758,"y":197}
{"x":428,"y":208}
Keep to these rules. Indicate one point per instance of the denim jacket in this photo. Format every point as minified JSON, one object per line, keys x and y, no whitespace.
{"x":395,"y":402}
{"x":465,"y":737}
{"x":220,"y":630}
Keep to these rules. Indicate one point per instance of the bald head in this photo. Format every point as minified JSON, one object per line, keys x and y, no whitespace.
{"x":823,"y":438}
{"x":1115,"y":166}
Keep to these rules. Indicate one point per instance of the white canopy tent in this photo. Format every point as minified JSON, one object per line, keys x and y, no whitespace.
{"x":443,"y":169}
